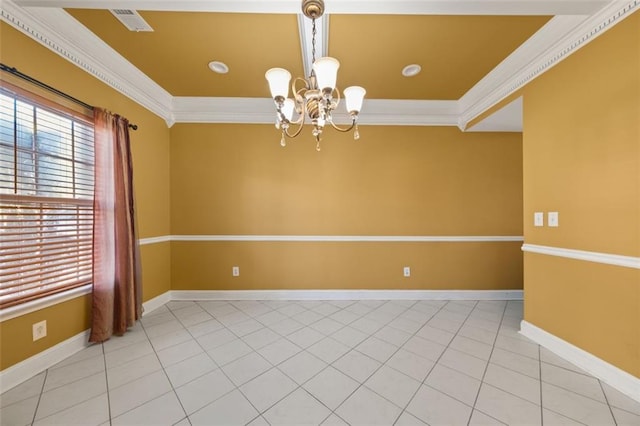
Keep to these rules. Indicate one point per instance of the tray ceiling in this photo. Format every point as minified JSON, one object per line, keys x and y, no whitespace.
{"x":473,"y":53}
{"x":455,"y":52}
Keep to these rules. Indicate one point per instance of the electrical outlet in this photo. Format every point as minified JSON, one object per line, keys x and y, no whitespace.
{"x":406,"y":271}
{"x":235,"y":271}
{"x":552,"y":219}
{"x":39,"y":330}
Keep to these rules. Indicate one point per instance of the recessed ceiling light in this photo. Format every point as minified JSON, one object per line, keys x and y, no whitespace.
{"x":218,"y":67}
{"x":411,"y":70}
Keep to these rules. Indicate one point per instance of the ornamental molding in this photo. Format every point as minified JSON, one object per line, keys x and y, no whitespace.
{"x":261,"y":111}
{"x":554,"y":42}
{"x":61,"y":33}
{"x":561,"y":36}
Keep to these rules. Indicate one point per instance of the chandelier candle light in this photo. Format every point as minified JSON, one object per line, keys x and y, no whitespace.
{"x":318,"y":95}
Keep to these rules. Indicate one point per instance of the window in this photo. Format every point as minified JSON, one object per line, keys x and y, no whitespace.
{"x":46,"y":198}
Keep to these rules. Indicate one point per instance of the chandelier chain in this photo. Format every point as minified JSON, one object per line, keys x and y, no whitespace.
{"x":313,"y":40}
{"x":318,"y":97}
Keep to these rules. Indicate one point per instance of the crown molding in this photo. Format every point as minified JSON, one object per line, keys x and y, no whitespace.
{"x":506,"y":119}
{"x":61,"y":33}
{"x":262,"y":111}
{"x":396,"y":7}
{"x":554,"y":42}
{"x":403,"y":112}
{"x":561,"y":36}
{"x":223,"y":110}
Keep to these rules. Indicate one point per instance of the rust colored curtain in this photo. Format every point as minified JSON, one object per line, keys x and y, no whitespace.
{"x":117,"y":286}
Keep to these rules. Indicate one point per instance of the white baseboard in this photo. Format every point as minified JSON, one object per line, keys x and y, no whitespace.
{"x":346,"y":295}
{"x":156,"y":302}
{"x":610,"y":374}
{"x":31,"y":366}
{"x":24,"y":370}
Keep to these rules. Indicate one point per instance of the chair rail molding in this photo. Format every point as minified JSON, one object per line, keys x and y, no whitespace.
{"x":339,"y":238}
{"x":589,"y":256}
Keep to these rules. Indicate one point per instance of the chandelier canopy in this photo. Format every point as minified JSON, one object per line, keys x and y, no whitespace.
{"x":316,"y":96}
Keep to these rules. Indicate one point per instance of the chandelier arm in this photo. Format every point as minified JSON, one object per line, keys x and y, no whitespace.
{"x":296,"y":92}
{"x":300,"y":123}
{"x":344,"y":130}
{"x":337,"y":98}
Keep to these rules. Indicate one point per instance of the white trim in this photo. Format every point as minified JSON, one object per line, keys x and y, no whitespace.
{"x":43,"y":302}
{"x":554,"y":42}
{"x":154,"y":240}
{"x":589,"y":256}
{"x":155,"y":303}
{"x":223,"y":110}
{"x":346,"y":295}
{"x":61,"y":33}
{"x":404,"y":7}
{"x":338,"y":238}
{"x":31,"y":366}
{"x":608,"y":373}
{"x":506,"y":119}
{"x":395,"y":112}
{"x":380,"y":112}
{"x":563,"y":35}
{"x":348,"y":238}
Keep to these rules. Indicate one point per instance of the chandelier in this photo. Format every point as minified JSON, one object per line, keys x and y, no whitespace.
{"x":316,"y":96}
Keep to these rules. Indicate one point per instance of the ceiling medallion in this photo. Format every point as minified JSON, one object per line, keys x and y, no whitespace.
{"x":317,"y":95}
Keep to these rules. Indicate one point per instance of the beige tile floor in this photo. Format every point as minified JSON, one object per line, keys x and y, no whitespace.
{"x":319,"y":362}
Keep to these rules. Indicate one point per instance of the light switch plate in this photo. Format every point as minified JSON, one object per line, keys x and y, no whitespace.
{"x":538,"y":219}
{"x":552,"y":219}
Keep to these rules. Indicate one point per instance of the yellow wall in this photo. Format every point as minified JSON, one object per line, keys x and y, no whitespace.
{"x":150,"y":147}
{"x":582,"y":159}
{"x":237,"y":180}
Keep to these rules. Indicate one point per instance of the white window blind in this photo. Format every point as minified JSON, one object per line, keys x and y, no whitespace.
{"x":46,"y":198}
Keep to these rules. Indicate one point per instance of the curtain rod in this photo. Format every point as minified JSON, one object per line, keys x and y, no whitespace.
{"x":45,"y":86}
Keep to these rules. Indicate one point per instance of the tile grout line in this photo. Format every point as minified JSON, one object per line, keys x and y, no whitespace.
{"x":311,"y":354}
{"x":163,"y":370}
{"x":46,"y":373}
{"x":332,"y":412}
{"x":236,"y":387}
{"x":422,"y":383}
{"x":106,"y":379}
{"x":219,"y":366}
{"x":377,"y":369}
{"x":70,"y":406}
{"x":615,"y":421}
{"x":300,"y":386}
{"x":368,"y":335}
{"x":486,"y":367}
{"x":541,"y":397}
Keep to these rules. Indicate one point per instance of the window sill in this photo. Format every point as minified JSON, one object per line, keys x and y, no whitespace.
{"x":44,"y":302}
